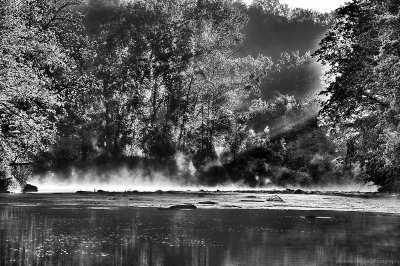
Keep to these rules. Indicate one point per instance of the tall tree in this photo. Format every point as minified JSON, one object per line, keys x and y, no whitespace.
{"x":157,"y":61}
{"x":361,"y":108}
{"x":35,"y":70}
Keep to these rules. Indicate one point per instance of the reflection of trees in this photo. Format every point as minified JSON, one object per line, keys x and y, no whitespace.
{"x":74,"y":237}
{"x":203,"y":237}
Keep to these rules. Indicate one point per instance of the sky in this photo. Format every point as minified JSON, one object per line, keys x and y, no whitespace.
{"x":319,"y":5}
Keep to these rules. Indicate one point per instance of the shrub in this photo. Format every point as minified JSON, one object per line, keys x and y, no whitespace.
{"x":5,"y":183}
{"x":285,"y":177}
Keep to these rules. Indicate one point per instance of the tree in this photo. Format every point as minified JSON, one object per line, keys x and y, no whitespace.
{"x":274,"y":7}
{"x":361,"y":108}
{"x":35,"y":69}
{"x":293,"y":74}
{"x":224,"y":86}
{"x":168,"y":72}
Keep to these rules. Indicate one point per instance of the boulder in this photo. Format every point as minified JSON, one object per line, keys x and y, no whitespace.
{"x":29,"y":188}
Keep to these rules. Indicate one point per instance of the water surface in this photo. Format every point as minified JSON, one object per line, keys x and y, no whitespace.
{"x":106,"y":235}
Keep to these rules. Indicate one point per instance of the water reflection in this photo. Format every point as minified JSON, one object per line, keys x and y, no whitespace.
{"x":123,"y":236}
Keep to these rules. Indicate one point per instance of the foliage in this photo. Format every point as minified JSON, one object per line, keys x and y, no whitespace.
{"x":35,"y":69}
{"x":293,"y":74}
{"x":292,"y":14}
{"x":280,"y":114}
{"x":361,"y":50}
{"x":153,"y":82}
{"x":164,"y":76}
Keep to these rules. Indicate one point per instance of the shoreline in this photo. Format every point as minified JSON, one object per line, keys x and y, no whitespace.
{"x":376,"y":203}
{"x":217,"y":191}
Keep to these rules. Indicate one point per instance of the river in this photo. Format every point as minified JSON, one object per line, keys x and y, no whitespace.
{"x":227,"y":228}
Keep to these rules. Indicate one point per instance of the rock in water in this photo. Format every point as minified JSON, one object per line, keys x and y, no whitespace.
{"x":183,"y":207}
{"x":29,"y":188}
{"x":83,"y":192}
{"x":298,"y":191}
{"x":207,"y":202}
{"x":275,"y":198}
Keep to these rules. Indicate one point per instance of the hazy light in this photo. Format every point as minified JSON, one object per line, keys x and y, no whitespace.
{"x":319,"y":5}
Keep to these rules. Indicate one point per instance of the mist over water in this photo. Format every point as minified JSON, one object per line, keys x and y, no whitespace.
{"x":125,"y":179}
{"x":117,"y":180}
{"x":121,"y":180}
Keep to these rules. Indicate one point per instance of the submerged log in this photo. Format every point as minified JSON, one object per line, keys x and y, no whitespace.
{"x":254,"y":201}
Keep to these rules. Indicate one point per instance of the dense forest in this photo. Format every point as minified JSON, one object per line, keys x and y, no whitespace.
{"x":229,"y":91}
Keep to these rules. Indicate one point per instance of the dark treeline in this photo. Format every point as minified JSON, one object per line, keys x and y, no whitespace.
{"x":104,"y":84}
